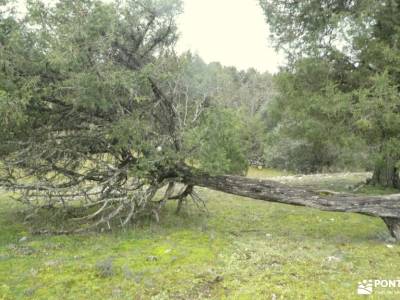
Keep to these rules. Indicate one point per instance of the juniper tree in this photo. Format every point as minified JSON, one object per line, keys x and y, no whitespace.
{"x":95,"y":107}
{"x":354,"y":47}
{"x":97,"y":114}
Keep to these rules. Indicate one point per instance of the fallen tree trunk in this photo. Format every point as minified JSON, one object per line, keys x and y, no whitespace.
{"x":385,"y":207}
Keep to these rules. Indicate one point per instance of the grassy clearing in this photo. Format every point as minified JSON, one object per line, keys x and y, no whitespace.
{"x":244,"y":249}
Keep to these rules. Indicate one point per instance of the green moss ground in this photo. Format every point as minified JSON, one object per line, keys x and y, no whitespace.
{"x":244,"y":249}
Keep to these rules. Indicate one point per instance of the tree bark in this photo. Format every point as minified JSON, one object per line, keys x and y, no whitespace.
{"x":386,"y":174}
{"x":386,"y":207}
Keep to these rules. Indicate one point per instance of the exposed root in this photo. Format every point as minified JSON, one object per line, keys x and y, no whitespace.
{"x":187,"y":190}
{"x":393,"y":224}
{"x":182,"y":196}
{"x":200,"y":203}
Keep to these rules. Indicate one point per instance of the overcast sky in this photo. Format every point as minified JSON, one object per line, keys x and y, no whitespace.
{"x":232,"y":32}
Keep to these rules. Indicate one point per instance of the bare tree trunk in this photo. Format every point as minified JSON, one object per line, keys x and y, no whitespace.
{"x":386,"y":174}
{"x":385,"y":207}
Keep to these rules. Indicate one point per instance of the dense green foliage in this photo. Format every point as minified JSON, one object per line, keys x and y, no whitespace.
{"x":310,"y":122}
{"x":221,"y":147}
{"x":96,"y":108}
{"x":67,"y":73}
{"x":239,"y":97}
{"x":340,"y":90}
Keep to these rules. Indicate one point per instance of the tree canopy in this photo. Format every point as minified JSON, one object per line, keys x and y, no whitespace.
{"x":96,"y":108}
{"x":340,"y":89}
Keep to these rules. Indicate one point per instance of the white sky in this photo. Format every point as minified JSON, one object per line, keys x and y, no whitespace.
{"x":233,"y":32}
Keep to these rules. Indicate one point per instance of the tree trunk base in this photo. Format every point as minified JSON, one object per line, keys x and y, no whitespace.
{"x":386,"y":174}
{"x":393,"y":224}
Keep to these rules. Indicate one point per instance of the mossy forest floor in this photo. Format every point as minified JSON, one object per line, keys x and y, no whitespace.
{"x":242,"y":249}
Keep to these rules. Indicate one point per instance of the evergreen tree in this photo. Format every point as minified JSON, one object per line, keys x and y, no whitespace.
{"x":356,"y":44}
